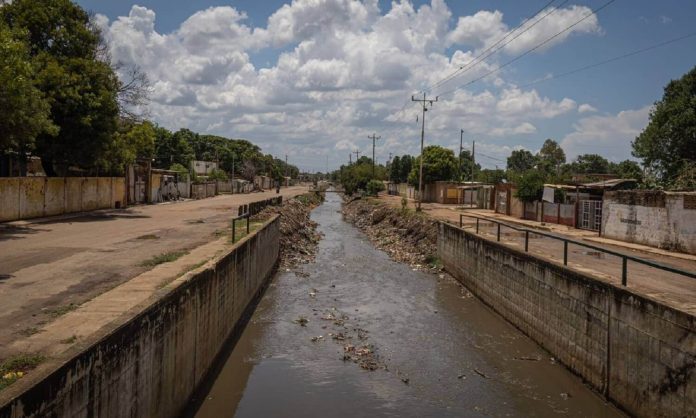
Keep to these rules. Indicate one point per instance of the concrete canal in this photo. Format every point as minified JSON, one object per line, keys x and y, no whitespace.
{"x":310,"y":347}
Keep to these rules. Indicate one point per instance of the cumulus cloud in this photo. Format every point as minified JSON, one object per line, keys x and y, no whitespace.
{"x":586,"y":108}
{"x":607,"y":135}
{"x":343,"y":68}
{"x":485,"y":29}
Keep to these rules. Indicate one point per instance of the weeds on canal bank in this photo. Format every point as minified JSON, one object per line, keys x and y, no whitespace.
{"x":163,"y":258}
{"x":298,"y":233}
{"x":14,"y":368}
{"x":406,"y":235}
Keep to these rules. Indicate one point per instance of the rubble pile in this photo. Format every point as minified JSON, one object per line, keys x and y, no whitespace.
{"x":298,"y":234}
{"x":407,"y":236}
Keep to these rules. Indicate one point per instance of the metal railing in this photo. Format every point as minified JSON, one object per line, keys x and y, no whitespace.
{"x":624,"y":257}
{"x":251,"y":209}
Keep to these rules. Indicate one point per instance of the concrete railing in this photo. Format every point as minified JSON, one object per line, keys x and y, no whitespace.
{"x":639,"y":353}
{"x":151,"y":365}
{"x":35,"y":197}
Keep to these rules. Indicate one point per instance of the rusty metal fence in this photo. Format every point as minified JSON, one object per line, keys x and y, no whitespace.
{"x":625,"y":258}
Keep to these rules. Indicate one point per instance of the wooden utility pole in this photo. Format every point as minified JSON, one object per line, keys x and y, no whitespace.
{"x":461,"y":149}
{"x":374,"y":138}
{"x":357,"y":155}
{"x":424,"y":102}
{"x":350,"y":158}
{"x":473,"y":159}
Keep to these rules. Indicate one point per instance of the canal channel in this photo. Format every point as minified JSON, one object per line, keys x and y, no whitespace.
{"x":310,"y":346}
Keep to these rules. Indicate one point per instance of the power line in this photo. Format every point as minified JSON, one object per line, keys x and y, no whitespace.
{"x":464,"y":68}
{"x":607,"y":61}
{"x":492,"y":158}
{"x":529,"y":51}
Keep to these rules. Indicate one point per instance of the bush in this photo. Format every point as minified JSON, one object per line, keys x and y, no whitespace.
{"x":530,"y":186}
{"x":217,"y":174}
{"x":181,"y":170}
{"x":374,"y":187}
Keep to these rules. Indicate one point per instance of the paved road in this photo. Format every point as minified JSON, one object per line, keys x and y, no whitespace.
{"x":48,"y":265}
{"x":672,"y":289}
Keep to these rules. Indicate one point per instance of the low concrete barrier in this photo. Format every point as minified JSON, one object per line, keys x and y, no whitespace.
{"x":639,"y":353}
{"x":35,"y":197}
{"x":151,"y":365}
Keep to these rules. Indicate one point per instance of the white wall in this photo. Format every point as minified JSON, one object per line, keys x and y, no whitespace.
{"x":657,"y":219}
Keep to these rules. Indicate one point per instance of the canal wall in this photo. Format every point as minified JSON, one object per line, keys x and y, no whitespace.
{"x":152,"y":363}
{"x":639,"y":353}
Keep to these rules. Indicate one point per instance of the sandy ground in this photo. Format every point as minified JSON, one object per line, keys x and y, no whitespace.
{"x":672,"y":289}
{"x":51,"y":266}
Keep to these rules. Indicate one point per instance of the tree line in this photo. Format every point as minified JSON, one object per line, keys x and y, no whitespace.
{"x":61,"y":99}
{"x":666,"y":149}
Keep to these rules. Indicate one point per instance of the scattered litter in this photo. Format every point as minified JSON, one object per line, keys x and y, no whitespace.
{"x":406,"y":380}
{"x":565,"y":396}
{"x":528,"y":358}
{"x":302,"y":321}
{"x":461,"y":376}
{"x":480,"y":373}
{"x":317,"y":338}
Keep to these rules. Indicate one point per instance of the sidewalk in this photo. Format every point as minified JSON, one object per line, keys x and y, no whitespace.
{"x":670,"y":288}
{"x":52,"y":266}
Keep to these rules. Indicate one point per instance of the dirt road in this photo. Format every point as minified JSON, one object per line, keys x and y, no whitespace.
{"x":51,"y":266}
{"x":672,"y":289}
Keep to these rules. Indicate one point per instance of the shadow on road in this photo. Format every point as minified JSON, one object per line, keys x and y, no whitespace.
{"x":9,"y":232}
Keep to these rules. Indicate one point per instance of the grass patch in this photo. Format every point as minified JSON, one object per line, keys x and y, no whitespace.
{"x":148,"y":236}
{"x":240,"y":231}
{"x":62,"y":310}
{"x":28,"y":332}
{"x":14,"y":368}
{"x":69,"y":340}
{"x":433,"y":261}
{"x":163,"y":258}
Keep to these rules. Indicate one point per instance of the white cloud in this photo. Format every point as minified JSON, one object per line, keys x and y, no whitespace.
{"x":345,"y":69}
{"x":609,"y":135}
{"x":586,"y":108}
{"x":485,"y":29}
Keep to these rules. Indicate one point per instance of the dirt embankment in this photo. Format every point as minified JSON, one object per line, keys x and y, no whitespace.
{"x":299,"y":237}
{"x":407,"y":236}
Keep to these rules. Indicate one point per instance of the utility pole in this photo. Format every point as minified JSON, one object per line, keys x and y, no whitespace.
{"x":350,"y":159}
{"x":424,"y":102}
{"x":389,"y":167}
{"x":473,"y":159}
{"x":357,"y":155}
{"x":287,"y":170}
{"x":374,"y":138}
{"x":461,"y":149}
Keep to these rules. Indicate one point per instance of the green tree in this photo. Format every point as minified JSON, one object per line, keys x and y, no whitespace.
{"x":25,"y":111}
{"x":405,"y":169}
{"x":627,"y":169}
{"x":132,"y":141}
{"x":668,"y":143}
{"x":395,"y":170}
{"x":438,"y":164}
{"x":465,"y":163}
{"x":590,"y":164}
{"x":490,"y":176}
{"x":172,"y":148}
{"x":551,"y":156}
{"x":374,"y":187}
{"x":521,"y":160}
{"x":530,"y":186}
{"x":80,"y":89}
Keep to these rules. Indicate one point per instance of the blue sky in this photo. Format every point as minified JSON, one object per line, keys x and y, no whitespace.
{"x":609,"y":103}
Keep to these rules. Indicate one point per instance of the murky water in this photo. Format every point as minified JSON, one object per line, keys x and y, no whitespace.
{"x":440,"y":352}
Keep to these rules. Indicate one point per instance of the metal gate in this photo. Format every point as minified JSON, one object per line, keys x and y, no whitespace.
{"x":591,"y":214}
